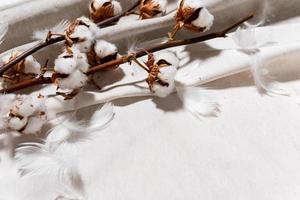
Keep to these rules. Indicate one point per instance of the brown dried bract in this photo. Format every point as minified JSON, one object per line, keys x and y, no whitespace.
{"x":16,"y":74}
{"x":149,"y":9}
{"x":154,"y":70}
{"x":104,"y":12}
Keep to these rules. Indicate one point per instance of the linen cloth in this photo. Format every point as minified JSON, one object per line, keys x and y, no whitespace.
{"x":154,"y":149}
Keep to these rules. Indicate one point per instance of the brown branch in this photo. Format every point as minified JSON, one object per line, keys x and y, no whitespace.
{"x":167,"y":45}
{"x":130,"y":57}
{"x":26,"y":84}
{"x":55,"y":40}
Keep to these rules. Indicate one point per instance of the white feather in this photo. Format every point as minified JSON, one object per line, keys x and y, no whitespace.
{"x":97,"y":122}
{"x":58,"y":28}
{"x":57,"y":157}
{"x":3,"y":31}
{"x":247,"y":41}
{"x":263,"y":81}
{"x":198,"y":101}
{"x":58,"y":167}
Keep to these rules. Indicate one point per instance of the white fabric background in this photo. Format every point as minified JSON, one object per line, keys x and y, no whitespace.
{"x":156,"y":150}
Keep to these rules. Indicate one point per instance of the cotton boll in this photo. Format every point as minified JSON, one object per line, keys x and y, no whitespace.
{"x":34,"y":125}
{"x":65,"y":64}
{"x":82,"y":32}
{"x":74,"y":81}
{"x":6,"y":103}
{"x":99,"y":3}
{"x":85,"y":35}
{"x":128,"y":19}
{"x":82,"y":62}
{"x":168,"y":56}
{"x":167,"y":74}
{"x":192,"y":15}
{"x":84,"y":46}
{"x":39,"y":103}
{"x":163,"y":91}
{"x":103,"y":48}
{"x":195,"y":4}
{"x":24,"y":106}
{"x":91,"y":25}
{"x":117,"y":7}
{"x":205,"y":19}
{"x":150,"y":9}
{"x":32,"y":66}
{"x":16,"y":123}
{"x":101,"y":10}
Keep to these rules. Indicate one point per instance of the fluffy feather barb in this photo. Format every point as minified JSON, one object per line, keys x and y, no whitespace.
{"x":58,"y":28}
{"x":57,"y":157}
{"x":198,"y":102}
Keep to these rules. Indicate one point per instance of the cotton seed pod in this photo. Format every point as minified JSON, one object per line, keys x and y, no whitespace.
{"x":39,"y":103}
{"x":168,"y":56}
{"x":23,"y":107}
{"x":82,"y":61}
{"x":162,"y":70}
{"x":192,"y":15}
{"x":6,"y":103}
{"x":166,"y":74}
{"x":79,"y":34}
{"x":24,"y":70}
{"x":32,"y":66}
{"x":91,"y":25}
{"x":102,"y":52}
{"x":151,"y":8}
{"x":84,"y":37}
{"x":74,"y":81}
{"x":163,"y":91}
{"x":66,"y":63}
{"x":34,"y":125}
{"x":104,"y":9}
{"x":105,"y":49}
{"x":17,"y":123}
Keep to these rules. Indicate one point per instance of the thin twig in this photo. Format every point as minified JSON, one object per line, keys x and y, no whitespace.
{"x":130,"y":57}
{"x":55,"y":40}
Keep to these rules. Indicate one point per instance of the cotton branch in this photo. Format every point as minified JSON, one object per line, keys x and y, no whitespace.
{"x":58,"y":39}
{"x":167,"y":45}
{"x":132,"y":56}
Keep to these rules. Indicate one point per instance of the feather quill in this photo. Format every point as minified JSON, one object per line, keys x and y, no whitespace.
{"x":58,"y":28}
{"x":3,"y":31}
{"x":197,"y":101}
